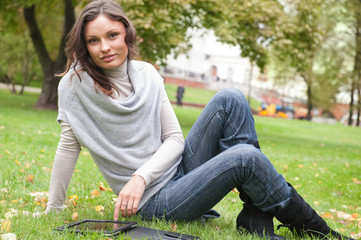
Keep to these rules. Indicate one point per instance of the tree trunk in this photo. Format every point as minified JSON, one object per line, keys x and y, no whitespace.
{"x":351,"y":103}
{"x":307,"y":80}
{"x":10,"y":83}
{"x":309,"y":103}
{"x":357,"y":67}
{"x":49,"y":96}
{"x":358,"y":105}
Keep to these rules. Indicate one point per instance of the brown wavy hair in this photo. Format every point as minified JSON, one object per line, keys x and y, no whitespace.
{"x":77,"y":53}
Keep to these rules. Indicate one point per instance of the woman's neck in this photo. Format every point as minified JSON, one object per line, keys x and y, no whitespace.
{"x":118,"y":73}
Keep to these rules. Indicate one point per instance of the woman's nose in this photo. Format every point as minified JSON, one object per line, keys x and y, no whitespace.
{"x":104,"y":46}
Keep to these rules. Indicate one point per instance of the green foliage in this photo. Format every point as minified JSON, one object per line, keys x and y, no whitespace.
{"x":251,"y":24}
{"x":161,"y":27}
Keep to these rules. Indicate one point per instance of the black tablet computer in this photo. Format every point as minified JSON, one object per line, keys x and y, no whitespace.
{"x":105,"y":227}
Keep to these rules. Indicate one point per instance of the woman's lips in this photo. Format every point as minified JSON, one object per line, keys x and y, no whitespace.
{"x":108,"y":58}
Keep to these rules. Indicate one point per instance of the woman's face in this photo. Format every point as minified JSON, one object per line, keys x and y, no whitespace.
{"x":105,"y":42}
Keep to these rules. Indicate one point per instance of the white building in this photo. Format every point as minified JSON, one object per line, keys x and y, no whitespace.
{"x":221,"y":65}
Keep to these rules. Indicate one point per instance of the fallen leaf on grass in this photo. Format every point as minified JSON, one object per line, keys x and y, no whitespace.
{"x":75,"y":216}
{"x":355,"y":235}
{"x":327,"y":215}
{"x":356,"y":181}
{"x":355,"y":216}
{"x":103,"y":189}
{"x":27,"y":165}
{"x":6,"y":226}
{"x":174,"y":227}
{"x":41,"y":194}
{"x":8,"y":236}
{"x":99,"y":208}
{"x":95,"y":193}
{"x":29,"y":178}
{"x":45,"y":169}
{"x":11,"y":213}
{"x":73,"y":199}
{"x":343,"y":215}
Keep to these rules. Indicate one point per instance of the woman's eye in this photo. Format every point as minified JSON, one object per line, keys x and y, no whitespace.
{"x":113,"y":35}
{"x":92,"y":41}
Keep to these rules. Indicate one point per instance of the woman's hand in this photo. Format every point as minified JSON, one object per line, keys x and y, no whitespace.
{"x":129,"y":197}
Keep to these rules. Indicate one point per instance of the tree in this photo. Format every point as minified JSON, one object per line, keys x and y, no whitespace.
{"x":158,"y":32}
{"x":349,"y":18}
{"x":356,"y":81}
{"x":298,"y":41}
{"x":49,"y":49}
{"x":48,"y":97}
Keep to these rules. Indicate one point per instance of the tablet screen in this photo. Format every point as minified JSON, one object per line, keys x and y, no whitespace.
{"x":98,"y":226}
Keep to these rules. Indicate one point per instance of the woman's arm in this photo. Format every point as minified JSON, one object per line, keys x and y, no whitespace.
{"x":166,"y":156}
{"x":65,"y":160}
{"x":170,"y":150}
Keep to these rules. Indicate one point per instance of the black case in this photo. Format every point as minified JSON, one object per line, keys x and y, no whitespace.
{"x":155,"y":234}
{"x":130,"y":230}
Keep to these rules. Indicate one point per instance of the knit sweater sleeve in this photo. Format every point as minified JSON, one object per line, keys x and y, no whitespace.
{"x":170,"y":150}
{"x":65,"y":160}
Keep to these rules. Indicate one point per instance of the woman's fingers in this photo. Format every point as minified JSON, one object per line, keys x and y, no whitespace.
{"x":129,"y":197}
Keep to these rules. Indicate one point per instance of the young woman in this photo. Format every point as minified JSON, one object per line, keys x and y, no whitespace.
{"x":117,"y":108}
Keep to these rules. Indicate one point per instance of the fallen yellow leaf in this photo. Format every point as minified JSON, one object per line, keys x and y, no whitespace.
{"x":99,"y":208}
{"x":6,"y":226}
{"x":73,"y":199}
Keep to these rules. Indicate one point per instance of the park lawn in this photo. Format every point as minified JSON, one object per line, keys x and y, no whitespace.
{"x":322,"y":161}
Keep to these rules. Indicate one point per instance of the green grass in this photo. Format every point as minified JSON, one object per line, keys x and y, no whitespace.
{"x":200,"y":96}
{"x":322,"y":161}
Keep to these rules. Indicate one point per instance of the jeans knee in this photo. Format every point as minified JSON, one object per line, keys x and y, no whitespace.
{"x":231,"y":95}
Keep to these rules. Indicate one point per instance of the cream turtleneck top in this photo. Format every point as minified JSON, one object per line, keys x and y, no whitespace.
{"x":69,"y":148}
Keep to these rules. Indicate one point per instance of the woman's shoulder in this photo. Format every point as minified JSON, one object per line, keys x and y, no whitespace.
{"x":141,"y":65}
{"x":71,"y":78}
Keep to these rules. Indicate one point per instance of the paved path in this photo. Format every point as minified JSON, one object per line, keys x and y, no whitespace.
{"x":27,"y":89}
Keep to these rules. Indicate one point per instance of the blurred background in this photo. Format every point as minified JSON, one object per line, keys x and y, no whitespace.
{"x":299,"y":59}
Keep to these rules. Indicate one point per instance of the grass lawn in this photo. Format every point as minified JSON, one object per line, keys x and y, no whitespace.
{"x":322,"y":161}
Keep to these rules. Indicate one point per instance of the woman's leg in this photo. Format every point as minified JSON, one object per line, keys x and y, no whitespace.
{"x":225,"y":121}
{"x":189,"y":196}
{"x":219,"y":155}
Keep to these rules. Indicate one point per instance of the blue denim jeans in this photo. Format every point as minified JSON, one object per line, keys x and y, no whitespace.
{"x":219,"y":156}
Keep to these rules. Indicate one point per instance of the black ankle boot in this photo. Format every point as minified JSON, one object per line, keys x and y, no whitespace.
{"x":253,"y":220}
{"x":301,"y":217}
